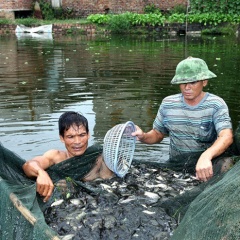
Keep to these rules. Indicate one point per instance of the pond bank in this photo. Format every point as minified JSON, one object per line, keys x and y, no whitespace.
{"x":61,"y":29}
{"x":173,"y":28}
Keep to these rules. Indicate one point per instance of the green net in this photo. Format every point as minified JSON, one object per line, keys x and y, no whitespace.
{"x":21,"y":219}
{"x":214,"y":214}
{"x":177,"y":206}
{"x":21,"y":208}
{"x":210,"y":210}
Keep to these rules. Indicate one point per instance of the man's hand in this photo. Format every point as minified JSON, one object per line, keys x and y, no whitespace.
{"x":138,"y":133}
{"x":44,"y":185}
{"x":150,"y":137}
{"x":204,"y":169}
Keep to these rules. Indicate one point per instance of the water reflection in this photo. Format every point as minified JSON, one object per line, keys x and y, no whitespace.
{"x":37,"y":36}
{"x":109,"y":80}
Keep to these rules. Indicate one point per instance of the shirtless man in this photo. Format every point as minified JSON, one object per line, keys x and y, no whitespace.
{"x":74,"y":133}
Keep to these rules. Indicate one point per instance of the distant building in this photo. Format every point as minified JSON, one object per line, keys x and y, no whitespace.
{"x":14,"y":8}
{"x":82,"y":8}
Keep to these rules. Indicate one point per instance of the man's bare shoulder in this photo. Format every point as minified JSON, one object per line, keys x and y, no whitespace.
{"x":55,"y":156}
{"x":44,"y":161}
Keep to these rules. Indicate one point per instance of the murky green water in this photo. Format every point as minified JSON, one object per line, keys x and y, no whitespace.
{"x":109,"y":80}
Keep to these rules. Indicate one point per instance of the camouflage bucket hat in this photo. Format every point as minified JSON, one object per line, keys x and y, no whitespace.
{"x":192,"y":70}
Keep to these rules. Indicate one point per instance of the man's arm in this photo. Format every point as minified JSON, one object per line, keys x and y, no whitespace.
{"x":204,"y":169}
{"x":36,"y":168}
{"x":150,"y":137}
{"x":100,"y":170}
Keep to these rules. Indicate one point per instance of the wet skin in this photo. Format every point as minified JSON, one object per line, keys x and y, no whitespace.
{"x":76,"y":142}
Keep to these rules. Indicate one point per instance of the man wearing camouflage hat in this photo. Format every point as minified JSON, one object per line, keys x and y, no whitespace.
{"x":197,"y":122}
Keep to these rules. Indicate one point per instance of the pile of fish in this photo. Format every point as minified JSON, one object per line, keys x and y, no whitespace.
{"x":120,"y":208}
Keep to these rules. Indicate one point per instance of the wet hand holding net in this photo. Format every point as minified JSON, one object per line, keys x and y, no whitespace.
{"x":119,"y":147}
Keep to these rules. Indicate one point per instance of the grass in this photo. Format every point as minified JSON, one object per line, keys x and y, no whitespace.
{"x":34,"y":21}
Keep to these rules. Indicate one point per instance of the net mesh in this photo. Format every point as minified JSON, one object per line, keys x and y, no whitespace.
{"x":215,"y":213}
{"x":118,"y":148}
{"x":210,"y":210}
{"x":21,"y":208}
{"x":21,"y":219}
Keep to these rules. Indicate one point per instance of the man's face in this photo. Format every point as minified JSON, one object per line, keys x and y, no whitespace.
{"x":192,"y":92}
{"x":75,"y":140}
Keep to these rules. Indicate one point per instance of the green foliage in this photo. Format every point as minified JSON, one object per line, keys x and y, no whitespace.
{"x":179,"y":9}
{"x":217,"y":6}
{"x":211,"y":31}
{"x":5,"y":21}
{"x":98,"y":18}
{"x":47,"y":10}
{"x":119,"y":23}
{"x":28,"y":21}
{"x":50,"y":13}
{"x":59,"y":13}
{"x":33,"y":21}
{"x":177,"y":18}
{"x":69,"y":31}
{"x":151,"y":19}
{"x":123,"y":22}
{"x":63,"y":13}
{"x":213,"y":18}
{"x":70,"y":180}
{"x":216,"y":30}
{"x":151,"y":9}
{"x":126,"y":20}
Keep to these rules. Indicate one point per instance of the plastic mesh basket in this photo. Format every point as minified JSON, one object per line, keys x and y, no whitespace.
{"x":119,"y":147}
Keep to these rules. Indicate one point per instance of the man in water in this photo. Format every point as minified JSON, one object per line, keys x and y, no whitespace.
{"x":197,"y":122}
{"x":74,"y":133}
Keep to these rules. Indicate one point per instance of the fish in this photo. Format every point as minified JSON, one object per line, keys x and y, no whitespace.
{"x":160,"y":185}
{"x":75,"y":201}
{"x":148,"y":212}
{"x":57,"y":203}
{"x":109,"y":208}
{"x":127,"y":200}
{"x":153,"y":196}
{"x":68,"y":237}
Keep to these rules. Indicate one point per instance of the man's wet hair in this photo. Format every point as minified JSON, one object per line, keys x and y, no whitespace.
{"x":69,"y":119}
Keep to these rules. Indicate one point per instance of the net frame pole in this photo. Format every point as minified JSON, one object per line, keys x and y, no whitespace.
{"x":23,"y":210}
{"x":26,"y":213}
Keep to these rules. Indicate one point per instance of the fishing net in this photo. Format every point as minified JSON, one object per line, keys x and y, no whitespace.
{"x":211,"y":209}
{"x":21,"y":217}
{"x":208,"y":211}
{"x":21,"y":209}
{"x":215,"y":213}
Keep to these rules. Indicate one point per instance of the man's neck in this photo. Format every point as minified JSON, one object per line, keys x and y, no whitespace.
{"x":195,"y":101}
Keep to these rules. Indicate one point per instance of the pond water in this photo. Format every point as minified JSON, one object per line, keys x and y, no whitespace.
{"x":110,"y":80}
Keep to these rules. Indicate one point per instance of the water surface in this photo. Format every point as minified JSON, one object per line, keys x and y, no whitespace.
{"x":110,"y":80}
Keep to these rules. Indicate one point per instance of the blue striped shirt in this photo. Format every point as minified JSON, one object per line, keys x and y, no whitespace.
{"x":192,"y":129}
